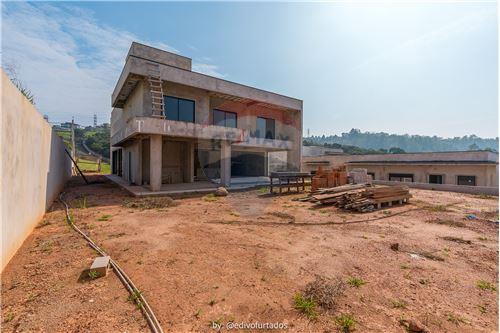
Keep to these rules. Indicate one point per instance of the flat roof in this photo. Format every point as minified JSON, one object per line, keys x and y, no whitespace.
{"x":179,"y":71}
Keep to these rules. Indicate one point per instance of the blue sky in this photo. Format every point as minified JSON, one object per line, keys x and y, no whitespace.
{"x":416,"y":68}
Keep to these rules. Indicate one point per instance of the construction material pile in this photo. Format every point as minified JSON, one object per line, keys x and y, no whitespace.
{"x":329,"y":178}
{"x":360,"y":197}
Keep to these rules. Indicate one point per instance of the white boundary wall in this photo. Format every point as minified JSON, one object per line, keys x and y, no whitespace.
{"x":444,"y":187}
{"x":33,"y":168}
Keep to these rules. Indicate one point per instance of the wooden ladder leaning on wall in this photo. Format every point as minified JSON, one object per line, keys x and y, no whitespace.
{"x":156,"y":90}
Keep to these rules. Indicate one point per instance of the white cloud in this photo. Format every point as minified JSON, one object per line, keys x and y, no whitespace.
{"x":67,"y":59}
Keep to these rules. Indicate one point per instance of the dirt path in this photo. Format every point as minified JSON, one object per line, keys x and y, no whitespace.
{"x":244,"y":257}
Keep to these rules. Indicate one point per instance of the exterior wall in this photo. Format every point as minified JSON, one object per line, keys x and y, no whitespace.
{"x":430,"y":163}
{"x":421,"y":172}
{"x":445,"y":187}
{"x":34,"y":168}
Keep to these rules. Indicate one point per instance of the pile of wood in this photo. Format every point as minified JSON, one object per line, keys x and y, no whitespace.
{"x":329,"y":178}
{"x":360,"y":197}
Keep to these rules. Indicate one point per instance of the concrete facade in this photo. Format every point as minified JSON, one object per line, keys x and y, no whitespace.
{"x":482,"y":165}
{"x":185,"y":151}
{"x":34,"y":168}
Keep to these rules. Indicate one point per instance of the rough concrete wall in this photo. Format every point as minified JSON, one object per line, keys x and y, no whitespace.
{"x":421,"y":172}
{"x":34,"y":168}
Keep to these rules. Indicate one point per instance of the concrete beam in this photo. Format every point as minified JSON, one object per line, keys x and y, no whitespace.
{"x":225,"y":163}
{"x":155,"y":163}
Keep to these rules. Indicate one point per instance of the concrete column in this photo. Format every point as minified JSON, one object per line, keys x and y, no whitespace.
{"x":266,"y":163}
{"x":155,"y":166}
{"x":137,"y":161}
{"x":189,"y":171}
{"x":225,"y":163}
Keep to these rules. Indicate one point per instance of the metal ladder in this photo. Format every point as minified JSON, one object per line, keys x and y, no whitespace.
{"x":156,"y":90}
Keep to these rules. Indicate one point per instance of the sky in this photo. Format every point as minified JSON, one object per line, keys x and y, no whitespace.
{"x":428,"y":68}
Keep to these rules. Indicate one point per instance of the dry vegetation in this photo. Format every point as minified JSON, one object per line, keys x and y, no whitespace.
{"x":432,"y":264}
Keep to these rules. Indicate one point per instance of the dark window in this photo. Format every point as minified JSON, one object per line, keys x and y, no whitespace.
{"x":466,"y":180}
{"x":401,"y":177}
{"x":224,"y":118}
{"x":265,"y":128}
{"x":372,"y":174}
{"x":435,"y":179}
{"x":179,"y":109}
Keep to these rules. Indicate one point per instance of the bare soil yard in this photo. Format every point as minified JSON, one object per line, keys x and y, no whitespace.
{"x":246,"y":257}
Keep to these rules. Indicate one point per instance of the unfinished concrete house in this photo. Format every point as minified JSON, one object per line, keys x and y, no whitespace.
{"x":172,"y":125}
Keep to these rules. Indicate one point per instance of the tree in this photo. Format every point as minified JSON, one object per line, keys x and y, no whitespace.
{"x":396,"y":150}
{"x":473,"y":147}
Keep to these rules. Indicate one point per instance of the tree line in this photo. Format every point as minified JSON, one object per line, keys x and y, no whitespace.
{"x":381,"y":142}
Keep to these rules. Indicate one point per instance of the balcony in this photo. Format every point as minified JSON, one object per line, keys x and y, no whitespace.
{"x":149,"y":125}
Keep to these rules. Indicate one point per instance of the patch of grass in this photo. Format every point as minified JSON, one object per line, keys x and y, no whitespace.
{"x":431,"y":256}
{"x":355,"y":282}
{"x":345,"y":322}
{"x":305,"y":306}
{"x":135,"y":297}
{"x":285,"y":216}
{"x":455,"y":319}
{"x":212,"y":302}
{"x":456,"y":239}
{"x":150,"y":203}
{"x":43,"y":223}
{"x":8,"y":317}
{"x":197,"y":314}
{"x":47,"y":246}
{"x":263,"y":190}
{"x":404,"y":266}
{"x":485,"y":196}
{"x":485,"y":285}
{"x":450,"y":223}
{"x":234,"y":214}
{"x":438,"y":209}
{"x":81,"y":203}
{"x":482,"y":239}
{"x":386,"y":212}
{"x":93,"y":274}
{"x":104,"y":217}
{"x":323,"y":292}
{"x":211,"y":197}
{"x":399,"y":304}
{"x":482,"y":308}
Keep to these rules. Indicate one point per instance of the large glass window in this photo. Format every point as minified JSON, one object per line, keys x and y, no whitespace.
{"x":224,"y":118}
{"x":435,"y":179}
{"x":179,"y":109}
{"x":265,"y":128}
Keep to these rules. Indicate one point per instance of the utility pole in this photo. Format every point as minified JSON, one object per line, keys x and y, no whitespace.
{"x":73,"y":146}
{"x":95,"y":119}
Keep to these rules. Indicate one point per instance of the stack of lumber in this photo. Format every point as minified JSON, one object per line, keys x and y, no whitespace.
{"x":329,"y":178}
{"x":360,"y":197}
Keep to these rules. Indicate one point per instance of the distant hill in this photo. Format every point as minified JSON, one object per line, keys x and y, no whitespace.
{"x":409,"y":143}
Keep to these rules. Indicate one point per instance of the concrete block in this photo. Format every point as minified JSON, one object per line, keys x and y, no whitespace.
{"x":100,"y":266}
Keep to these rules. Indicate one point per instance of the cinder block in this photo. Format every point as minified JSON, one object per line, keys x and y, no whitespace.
{"x":100,"y":266}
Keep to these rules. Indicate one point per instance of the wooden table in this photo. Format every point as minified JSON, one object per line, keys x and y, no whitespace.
{"x":289,"y":180}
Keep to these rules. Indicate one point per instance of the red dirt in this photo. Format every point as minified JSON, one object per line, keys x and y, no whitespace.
{"x":245,"y":256}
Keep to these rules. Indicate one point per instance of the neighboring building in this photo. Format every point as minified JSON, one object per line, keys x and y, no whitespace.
{"x":308,"y":151}
{"x":173,"y":125}
{"x":473,"y":168}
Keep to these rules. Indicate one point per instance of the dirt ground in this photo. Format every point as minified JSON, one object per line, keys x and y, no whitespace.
{"x":242,"y":258}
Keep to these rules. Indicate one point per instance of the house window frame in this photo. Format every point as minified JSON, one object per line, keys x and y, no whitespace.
{"x":265,"y":132}
{"x":225,"y":118}
{"x":435,"y":174}
{"x":179,"y":99}
{"x":473,"y":176}
{"x":402,"y":176}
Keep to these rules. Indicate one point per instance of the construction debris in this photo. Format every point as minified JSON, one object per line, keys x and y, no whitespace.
{"x":360,"y":176}
{"x":360,"y":197}
{"x":99,"y":267}
{"x":329,"y":178}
